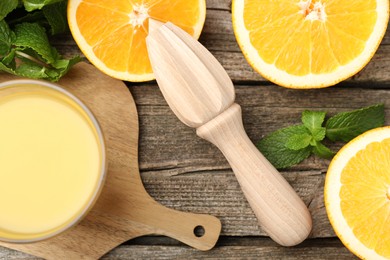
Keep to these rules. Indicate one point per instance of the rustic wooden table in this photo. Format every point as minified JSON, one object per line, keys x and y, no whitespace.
{"x":184,"y":172}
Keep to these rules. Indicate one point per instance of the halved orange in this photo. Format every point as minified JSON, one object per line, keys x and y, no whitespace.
{"x":111,"y":33}
{"x":357,"y":194}
{"x":309,"y":43}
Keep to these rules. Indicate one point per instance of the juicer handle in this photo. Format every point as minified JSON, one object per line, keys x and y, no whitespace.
{"x":278,"y":208}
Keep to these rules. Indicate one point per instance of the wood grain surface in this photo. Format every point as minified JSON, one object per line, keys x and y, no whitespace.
{"x":184,"y":172}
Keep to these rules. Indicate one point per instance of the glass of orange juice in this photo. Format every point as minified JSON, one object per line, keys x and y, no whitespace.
{"x":52,"y":160}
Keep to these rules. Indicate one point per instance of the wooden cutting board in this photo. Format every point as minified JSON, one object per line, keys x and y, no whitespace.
{"x":124,"y":209}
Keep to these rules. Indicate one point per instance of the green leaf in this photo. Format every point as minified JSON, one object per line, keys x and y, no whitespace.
{"x":26,"y":51}
{"x":313,"y":119}
{"x":273,"y":146}
{"x":298,"y":141}
{"x":319,"y":133}
{"x":31,"y":36}
{"x":32,"y":5}
{"x":56,"y":16}
{"x":62,"y":67}
{"x":33,"y":70}
{"x":322,"y":151}
{"x":36,"y":58}
{"x":346,"y":126}
{"x":7,"y":37}
{"x":9,"y":59}
{"x":7,"y":6}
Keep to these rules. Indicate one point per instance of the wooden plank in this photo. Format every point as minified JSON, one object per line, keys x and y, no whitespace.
{"x":219,"y":4}
{"x":231,"y":252}
{"x":219,"y":38}
{"x":169,"y":146}
{"x":227,"y":248}
{"x":232,"y":248}
{"x":218,"y":193}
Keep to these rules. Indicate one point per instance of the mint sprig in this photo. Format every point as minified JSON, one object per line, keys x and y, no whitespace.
{"x":291,"y":145}
{"x":25,"y":49}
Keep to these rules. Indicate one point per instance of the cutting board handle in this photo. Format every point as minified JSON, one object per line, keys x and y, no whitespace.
{"x":197,"y":230}
{"x":280,"y":211}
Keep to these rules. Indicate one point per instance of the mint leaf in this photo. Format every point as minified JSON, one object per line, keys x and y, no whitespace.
{"x":291,"y":145}
{"x":319,"y":133}
{"x":313,"y":119}
{"x":62,"y":67}
{"x":32,"y":5}
{"x":346,"y":126}
{"x":26,"y":50}
{"x":274,"y":149}
{"x":34,"y":70}
{"x":9,"y":59}
{"x":298,"y":141}
{"x":32,"y":36}
{"x":55,"y":15}
{"x":31,"y":70}
{"x":322,"y":151}
{"x":7,"y":6}
{"x":7,"y":37}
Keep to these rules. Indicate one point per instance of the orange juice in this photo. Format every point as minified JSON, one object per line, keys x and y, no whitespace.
{"x":51,"y":160}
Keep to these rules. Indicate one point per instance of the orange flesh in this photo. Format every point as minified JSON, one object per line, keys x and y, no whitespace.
{"x":364,"y":195}
{"x":284,"y":36}
{"x":117,"y":30}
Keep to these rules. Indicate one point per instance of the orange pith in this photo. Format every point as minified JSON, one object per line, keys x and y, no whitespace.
{"x":112,"y":33}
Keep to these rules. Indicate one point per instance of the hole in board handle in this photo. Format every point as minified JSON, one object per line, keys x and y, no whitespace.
{"x":199,"y":231}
